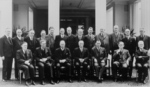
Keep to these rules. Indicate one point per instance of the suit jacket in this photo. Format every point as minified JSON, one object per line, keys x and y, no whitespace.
{"x":104,"y":41}
{"x":70,"y":42}
{"x":78,"y":54}
{"x":50,"y":41}
{"x":121,"y":57}
{"x":99,"y":54}
{"x":90,"y":40}
{"x":6,"y":47}
{"x":146,"y":40}
{"x":17,"y":44}
{"x":39,"y":55}
{"x":65,"y":54}
{"x":32,"y":45}
{"x":77,"y":40}
{"x":113,"y":39}
{"x":144,"y":55}
{"x":22,"y":57}
{"x":130,"y":44}
{"x":58,"y":39}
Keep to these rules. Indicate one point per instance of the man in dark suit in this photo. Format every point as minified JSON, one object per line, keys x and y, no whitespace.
{"x":79,"y":37}
{"x":81,"y":56}
{"x":62,"y":59}
{"x":104,"y":38}
{"x":90,"y":39}
{"x":142,"y":64}
{"x":114,"y":38}
{"x":17,"y":42}
{"x":99,"y":56}
{"x":6,"y":51}
{"x":45,"y":62}
{"x":70,"y":42}
{"x":51,"y":39}
{"x":24,"y":58}
{"x":60,"y":37}
{"x":144,"y":38}
{"x":120,"y":60}
{"x":33,"y":43}
{"x":130,"y":45}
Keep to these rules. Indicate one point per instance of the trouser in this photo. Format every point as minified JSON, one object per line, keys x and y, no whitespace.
{"x":82,"y":68}
{"x":7,"y":68}
{"x":59,"y":66}
{"x":100,"y":68}
{"x":142,"y":71}
{"x":28,"y":70}
{"x":16,"y":68}
{"x":119,"y":69}
{"x":45,"y":70}
{"x":131,"y":66}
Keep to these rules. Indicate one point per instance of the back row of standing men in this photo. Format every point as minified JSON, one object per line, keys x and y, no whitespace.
{"x":9,"y":46}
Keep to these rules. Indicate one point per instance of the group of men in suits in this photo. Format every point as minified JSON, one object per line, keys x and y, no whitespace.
{"x":52,"y":54}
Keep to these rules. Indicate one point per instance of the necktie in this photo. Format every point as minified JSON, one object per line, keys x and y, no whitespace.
{"x":9,"y":40}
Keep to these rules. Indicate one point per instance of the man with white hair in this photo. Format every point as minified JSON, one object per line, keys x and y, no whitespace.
{"x":17,"y":41}
{"x":81,"y":56}
{"x":144,"y":38}
{"x":60,"y":37}
{"x":62,"y":59}
{"x":142,"y":64}
{"x":130,"y":45}
{"x":6,"y":52}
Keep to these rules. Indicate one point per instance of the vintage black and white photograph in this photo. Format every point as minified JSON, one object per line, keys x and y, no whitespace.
{"x":74,"y":43}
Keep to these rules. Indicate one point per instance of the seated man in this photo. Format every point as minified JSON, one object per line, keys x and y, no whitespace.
{"x":142,"y":62}
{"x":62,"y":59}
{"x":81,"y":56}
{"x":99,"y":55}
{"x":44,"y":62}
{"x":24,"y":59}
{"x":120,"y":61}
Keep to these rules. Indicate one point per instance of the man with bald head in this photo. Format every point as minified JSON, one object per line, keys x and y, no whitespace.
{"x":62,"y":59}
{"x":130,"y":45}
{"x":6,"y":52}
{"x":60,"y":37}
{"x":142,"y":63}
{"x":17,"y":41}
{"x":144,"y":38}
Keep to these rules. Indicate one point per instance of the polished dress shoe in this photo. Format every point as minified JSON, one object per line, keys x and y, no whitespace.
{"x":70,"y":80}
{"x":57,"y":81}
{"x":33,"y":83}
{"x":84,"y":80}
{"x":42,"y":82}
{"x":26,"y":83}
{"x":100,"y":80}
{"x":52,"y":82}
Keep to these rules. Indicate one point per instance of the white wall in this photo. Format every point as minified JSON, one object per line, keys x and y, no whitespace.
{"x":30,"y":18}
{"x":121,"y":16}
{"x":109,"y":20}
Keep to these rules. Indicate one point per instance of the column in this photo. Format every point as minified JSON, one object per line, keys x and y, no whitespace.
{"x":145,"y":16}
{"x":100,"y":15}
{"x":54,"y":15}
{"x":6,"y":15}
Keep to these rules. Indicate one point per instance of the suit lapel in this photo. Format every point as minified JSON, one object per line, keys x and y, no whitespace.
{"x":23,"y":54}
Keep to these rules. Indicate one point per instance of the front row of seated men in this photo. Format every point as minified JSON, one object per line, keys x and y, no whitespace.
{"x":62,"y":60}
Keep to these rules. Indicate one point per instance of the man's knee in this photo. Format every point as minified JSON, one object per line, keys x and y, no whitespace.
{"x":145,"y":65}
{"x":139,"y":65}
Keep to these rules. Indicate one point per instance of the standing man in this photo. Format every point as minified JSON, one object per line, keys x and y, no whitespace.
{"x":81,"y":56}
{"x":62,"y":58}
{"x":130,"y":45}
{"x":70,"y":40}
{"x":90,"y":39}
{"x":60,"y":37}
{"x":104,"y":39}
{"x":25,"y":58}
{"x":99,"y":56}
{"x":51,"y":39}
{"x":6,"y":51}
{"x":144,"y":38}
{"x":114,"y":39}
{"x":17,"y":42}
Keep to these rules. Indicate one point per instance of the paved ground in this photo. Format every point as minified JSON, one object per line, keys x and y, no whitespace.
{"x":106,"y":83}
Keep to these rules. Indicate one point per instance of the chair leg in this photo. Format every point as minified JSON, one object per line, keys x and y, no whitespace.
{"x":20,"y":76}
